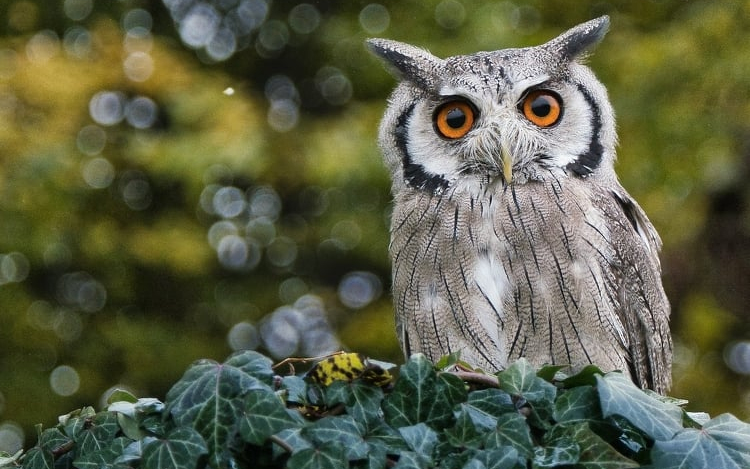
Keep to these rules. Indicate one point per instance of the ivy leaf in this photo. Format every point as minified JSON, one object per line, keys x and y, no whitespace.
{"x":37,"y":458}
{"x":563,"y":451}
{"x":209,"y":398}
{"x":254,"y":364}
{"x":327,"y":456}
{"x":264,"y":415}
{"x":362,"y":400}
{"x":495,"y":402}
{"x":183,"y":448}
{"x":341,"y":429}
{"x":585,"y":377}
{"x":107,"y":457}
{"x":723,"y":443}
{"x":412,"y":460}
{"x":579,"y":403}
{"x":550,"y":372}
{"x":96,"y":433}
{"x":619,"y":396}
{"x":295,"y":389}
{"x":420,"y":395}
{"x":421,"y":439}
{"x":470,"y":427}
{"x":293,"y":438}
{"x":512,"y":430}
{"x":53,"y":440}
{"x":501,"y":458}
{"x":520,"y":380}
{"x":594,"y":452}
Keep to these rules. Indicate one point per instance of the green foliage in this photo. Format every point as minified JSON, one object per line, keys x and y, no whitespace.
{"x":240,"y":414}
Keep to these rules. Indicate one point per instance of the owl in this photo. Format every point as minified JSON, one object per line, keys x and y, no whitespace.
{"x":511,"y":235}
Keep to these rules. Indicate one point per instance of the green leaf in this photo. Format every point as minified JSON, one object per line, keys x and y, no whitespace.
{"x":53,"y":440}
{"x":520,"y":380}
{"x":210,"y":398}
{"x":420,"y":395}
{"x":37,"y":458}
{"x":447,"y":361}
{"x":561,"y":452}
{"x":512,"y":430}
{"x":585,"y":377}
{"x":470,"y":427}
{"x":104,"y":458}
{"x":421,"y":439}
{"x":295,"y":389}
{"x":182,"y":448}
{"x":264,"y":415}
{"x":594,"y":452}
{"x":362,"y":400}
{"x":619,"y":396}
{"x":340,"y":429}
{"x":328,"y":456}
{"x":723,"y":443}
{"x":96,"y":433}
{"x":579,"y":403}
{"x":120,"y":395}
{"x":412,"y":460}
{"x":500,"y":458}
{"x":495,"y":402}
{"x":550,"y":372}
{"x":293,"y":438}
{"x":254,"y":364}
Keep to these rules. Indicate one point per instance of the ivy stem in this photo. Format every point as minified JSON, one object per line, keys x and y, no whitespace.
{"x":281,"y":443}
{"x":477,"y":378}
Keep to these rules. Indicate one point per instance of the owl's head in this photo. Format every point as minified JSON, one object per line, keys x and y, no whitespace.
{"x":512,"y":115}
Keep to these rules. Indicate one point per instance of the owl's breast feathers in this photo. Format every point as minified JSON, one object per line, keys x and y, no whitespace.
{"x":556,"y":272}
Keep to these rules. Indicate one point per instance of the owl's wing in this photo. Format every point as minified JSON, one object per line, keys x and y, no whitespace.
{"x":643,"y":305}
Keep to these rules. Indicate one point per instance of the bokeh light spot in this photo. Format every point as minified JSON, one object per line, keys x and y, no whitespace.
{"x":107,"y":107}
{"x":229,"y":202}
{"x":737,"y":357}
{"x":64,"y":380}
{"x":14,"y":267}
{"x":450,"y":14}
{"x":304,"y":18}
{"x":91,"y":140}
{"x":282,"y":252}
{"x":43,"y":46}
{"x":374,"y":18}
{"x":243,"y":336}
{"x":138,"y":66}
{"x":358,"y":289}
{"x":77,"y":10}
{"x":98,"y":173}
{"x":141,"y":112}
{"x":11,"y":435}
{"x":265,"y":202}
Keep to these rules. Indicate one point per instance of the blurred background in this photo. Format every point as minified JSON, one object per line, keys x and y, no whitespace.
{"x":184,"y":178}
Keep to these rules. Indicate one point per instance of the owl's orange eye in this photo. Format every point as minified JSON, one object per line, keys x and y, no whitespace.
{"x":454,"y":119}
{"x":542,"y":108}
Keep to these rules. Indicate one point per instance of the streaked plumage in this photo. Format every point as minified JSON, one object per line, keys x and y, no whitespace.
{"x":511,"y":235}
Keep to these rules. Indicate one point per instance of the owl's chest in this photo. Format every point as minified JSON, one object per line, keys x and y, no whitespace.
{"x":507,"y":249}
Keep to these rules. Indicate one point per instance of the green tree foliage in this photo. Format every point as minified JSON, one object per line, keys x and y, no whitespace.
{"x":239,"y":413}
{"x":164,"y":199}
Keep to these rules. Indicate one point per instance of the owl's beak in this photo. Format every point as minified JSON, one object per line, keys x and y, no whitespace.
{"x":507,"y":160}
{"x":507,"y":168}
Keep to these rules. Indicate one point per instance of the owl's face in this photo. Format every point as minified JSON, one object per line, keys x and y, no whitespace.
{"x":512,"y":115}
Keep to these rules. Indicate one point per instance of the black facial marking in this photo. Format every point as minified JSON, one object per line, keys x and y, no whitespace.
{"x":589,"y":160}
{"x":415,"y":174}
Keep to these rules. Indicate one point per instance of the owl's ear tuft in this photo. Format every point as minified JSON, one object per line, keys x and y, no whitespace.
{"x":406,"y":62}
{"x":580,"y":39}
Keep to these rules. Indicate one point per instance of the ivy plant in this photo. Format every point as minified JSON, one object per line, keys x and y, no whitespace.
{"x":244,"y":413}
